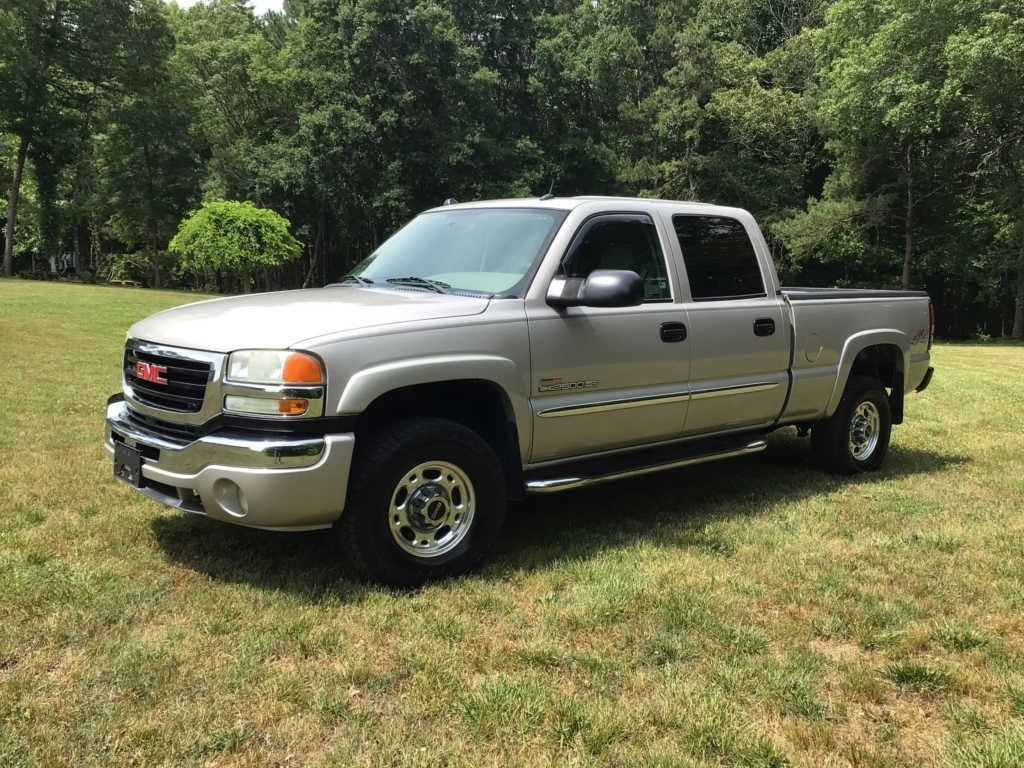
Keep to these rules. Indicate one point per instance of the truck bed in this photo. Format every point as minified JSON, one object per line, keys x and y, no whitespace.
{"x":801,"y":293}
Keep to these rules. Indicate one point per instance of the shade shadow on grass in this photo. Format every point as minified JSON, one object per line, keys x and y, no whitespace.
{"x":539,"y":530}
{"x":309,"y":563}
{"x":544,"y":529}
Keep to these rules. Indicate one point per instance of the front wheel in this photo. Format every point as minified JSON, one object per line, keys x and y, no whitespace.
{"x":426,"y":501}
{"x":856,"y":437}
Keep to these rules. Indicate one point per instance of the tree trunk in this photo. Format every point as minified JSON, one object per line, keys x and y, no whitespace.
{"x":95,"y":247}
{"x":312,"y":267}
{"x":1018,"y":304}
{"x":321,"y":243}
{"x":12,"y":205}
{"x":908,"y":224}
{"x":156,"y":263}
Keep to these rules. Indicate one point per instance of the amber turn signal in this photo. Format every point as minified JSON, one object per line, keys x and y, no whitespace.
{"x":301,"y":369}
{"x":292,"y":406}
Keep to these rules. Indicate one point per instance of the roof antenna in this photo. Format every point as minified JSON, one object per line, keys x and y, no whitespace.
{"x":550,"y":193}
{"x":450,"y":201}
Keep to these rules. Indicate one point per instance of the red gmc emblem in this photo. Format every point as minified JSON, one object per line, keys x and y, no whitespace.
{"x":151,"y":372}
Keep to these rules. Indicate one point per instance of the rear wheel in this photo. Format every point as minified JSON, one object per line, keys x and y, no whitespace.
{"x":426,"y":501}
{"x":856,"y":437}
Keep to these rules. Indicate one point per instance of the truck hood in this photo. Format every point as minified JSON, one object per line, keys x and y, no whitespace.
{"x":286,"y":319}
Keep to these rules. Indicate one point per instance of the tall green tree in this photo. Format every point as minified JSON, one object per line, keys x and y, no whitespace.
{"x":385,"y":127}
{"x":60,"y":58}
{"x":883,"y":70}
{"x":921,"y":125}
{"x":499,"y":153}
{"x":145,"y":159}
{"x":983,"y":92}
{"x":230,"y":61}
{"x":150,"y":166}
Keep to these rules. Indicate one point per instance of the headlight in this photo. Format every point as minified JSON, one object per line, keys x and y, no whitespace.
{"x":271,"y":382}
{"x":272,"y":366}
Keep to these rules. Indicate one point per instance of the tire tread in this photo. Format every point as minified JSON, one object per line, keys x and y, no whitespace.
{"x":830,"y":438}
{"x":357,"y":530}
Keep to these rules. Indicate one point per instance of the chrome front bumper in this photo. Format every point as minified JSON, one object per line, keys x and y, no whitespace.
{"x":268,"y":482}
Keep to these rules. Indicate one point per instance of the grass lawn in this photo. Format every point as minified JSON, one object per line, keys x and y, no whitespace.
{"x":748,"y":613}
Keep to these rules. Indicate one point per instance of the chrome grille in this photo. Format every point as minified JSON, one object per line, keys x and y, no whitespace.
{"x":185,"y":386}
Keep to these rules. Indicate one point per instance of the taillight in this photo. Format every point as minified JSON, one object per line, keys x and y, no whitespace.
{"x":931,"y":324}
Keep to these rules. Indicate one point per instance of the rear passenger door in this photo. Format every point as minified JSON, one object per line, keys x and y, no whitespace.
{"x":738,"y":334}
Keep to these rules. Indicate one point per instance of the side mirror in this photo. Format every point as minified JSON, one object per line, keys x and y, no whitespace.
{"x":602,"y":288}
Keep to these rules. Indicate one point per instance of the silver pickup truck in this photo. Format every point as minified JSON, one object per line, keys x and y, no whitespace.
{"x":495,"y":349}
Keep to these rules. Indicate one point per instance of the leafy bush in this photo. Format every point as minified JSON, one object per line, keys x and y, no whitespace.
{"x":235,"y":238}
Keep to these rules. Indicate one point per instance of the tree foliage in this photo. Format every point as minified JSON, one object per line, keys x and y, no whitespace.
{"x":62,"y":58}
{"x":879,"y":141}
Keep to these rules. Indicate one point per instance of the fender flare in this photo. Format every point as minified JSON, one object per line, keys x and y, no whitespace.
{"x":854,"y":345}
{"x":365,"y":386}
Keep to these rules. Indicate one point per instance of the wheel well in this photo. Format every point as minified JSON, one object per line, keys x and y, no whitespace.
{"x":885,"y":363}
{"x":479,"y":405}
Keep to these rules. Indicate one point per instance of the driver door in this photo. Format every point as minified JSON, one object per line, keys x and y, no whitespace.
{"x":607,"y":378}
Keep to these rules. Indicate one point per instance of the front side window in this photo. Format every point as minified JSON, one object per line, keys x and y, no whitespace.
{"x":485,"y":250}
{"x":719,"y":257}
{"x":622,"y":241}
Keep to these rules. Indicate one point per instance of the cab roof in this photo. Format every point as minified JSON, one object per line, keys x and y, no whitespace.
{"x":597,"y":202}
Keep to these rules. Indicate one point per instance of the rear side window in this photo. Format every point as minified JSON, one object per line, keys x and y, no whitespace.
{"x":719,"y":258}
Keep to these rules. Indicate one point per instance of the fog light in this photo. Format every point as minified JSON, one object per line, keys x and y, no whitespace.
{"x":230,"y":497}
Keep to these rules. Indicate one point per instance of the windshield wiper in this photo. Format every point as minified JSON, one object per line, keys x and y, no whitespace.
{"x":351,"y":278}
{"x":420,"y":282}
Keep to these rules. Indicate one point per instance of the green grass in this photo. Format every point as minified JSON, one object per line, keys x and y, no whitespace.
{"x":749,"y":613}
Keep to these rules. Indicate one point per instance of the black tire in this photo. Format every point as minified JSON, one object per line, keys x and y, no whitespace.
{"x":426,"y":500}
{"x":856,"y":437}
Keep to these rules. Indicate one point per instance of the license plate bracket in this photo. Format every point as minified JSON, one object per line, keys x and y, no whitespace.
{"x":128,"y":464}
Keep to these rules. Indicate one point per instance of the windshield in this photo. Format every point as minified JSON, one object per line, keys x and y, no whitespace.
{"x":486,"y":250}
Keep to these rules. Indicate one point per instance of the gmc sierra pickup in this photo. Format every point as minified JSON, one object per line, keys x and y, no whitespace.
{"x":501,"y":348}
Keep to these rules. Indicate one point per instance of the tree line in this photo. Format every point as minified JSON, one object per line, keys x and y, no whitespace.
{"x":879,"y":142}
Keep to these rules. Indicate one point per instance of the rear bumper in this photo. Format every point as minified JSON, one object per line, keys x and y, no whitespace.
{"x":262,"y":482}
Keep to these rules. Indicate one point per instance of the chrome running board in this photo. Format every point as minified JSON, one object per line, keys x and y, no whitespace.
{"x":569,"y":480}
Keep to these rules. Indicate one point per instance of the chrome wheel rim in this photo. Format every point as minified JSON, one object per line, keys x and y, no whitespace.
{"x":864,"y":428}
{"x":431,"y":509}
